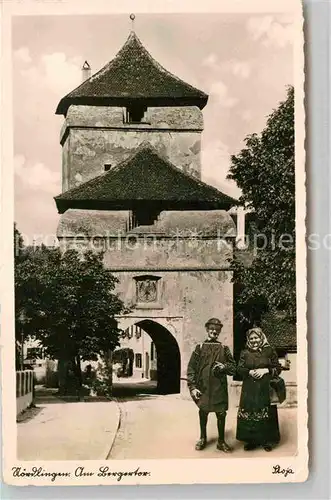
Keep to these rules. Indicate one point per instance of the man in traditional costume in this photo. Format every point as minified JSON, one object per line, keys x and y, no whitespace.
{"x":207,"y":372}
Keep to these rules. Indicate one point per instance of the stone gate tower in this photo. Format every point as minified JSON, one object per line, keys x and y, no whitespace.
{"x":131,"y":185}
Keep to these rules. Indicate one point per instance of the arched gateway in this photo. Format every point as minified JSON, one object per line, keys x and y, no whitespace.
{"x":132,"y":185}
{"x":167,"y":355}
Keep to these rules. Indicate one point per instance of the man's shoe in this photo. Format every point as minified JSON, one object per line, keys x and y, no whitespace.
{"x":201,"y":444}
{"x":267,"y":447}
{"x":223,"y":446}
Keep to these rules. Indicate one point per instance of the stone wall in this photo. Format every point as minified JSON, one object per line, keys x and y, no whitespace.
{"x":188,"y":300}
{"x":192,"y":224}
{"x":65,"y":165}
{"x":196,"y":239}
{"x":146,"y":252}
{"x":174,"y":117}
{"x":99,"y":136}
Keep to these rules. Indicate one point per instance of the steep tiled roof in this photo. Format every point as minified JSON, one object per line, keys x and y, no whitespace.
{"x":144,"y":177}
{"x":133,"y":74}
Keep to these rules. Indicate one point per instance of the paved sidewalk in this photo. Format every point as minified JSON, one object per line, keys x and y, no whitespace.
{"x":137,"y":426}
{"x":168,"y":427}
{"x":68,"y":431}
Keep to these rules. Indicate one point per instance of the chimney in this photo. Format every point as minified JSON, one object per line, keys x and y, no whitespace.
{"x":86,"y":71}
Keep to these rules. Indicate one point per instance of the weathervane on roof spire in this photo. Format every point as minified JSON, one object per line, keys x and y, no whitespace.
{"x":132,"y":17}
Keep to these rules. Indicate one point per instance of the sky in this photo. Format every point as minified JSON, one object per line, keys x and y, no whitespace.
{"x":242,"y":61}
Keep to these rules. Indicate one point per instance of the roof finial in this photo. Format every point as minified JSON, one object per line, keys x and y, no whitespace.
{"x":132,"y":17}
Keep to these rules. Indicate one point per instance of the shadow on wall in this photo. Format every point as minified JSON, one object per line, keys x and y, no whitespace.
{"x":168,"y":357}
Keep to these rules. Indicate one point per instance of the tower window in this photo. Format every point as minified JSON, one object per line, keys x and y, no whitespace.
{"x":143,"y":217}
{"x":135,"y":114}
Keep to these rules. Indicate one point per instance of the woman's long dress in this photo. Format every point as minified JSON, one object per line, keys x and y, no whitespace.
{"x":257,"y":420}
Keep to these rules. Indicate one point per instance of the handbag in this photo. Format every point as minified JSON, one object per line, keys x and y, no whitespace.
{"x":277,"y":390}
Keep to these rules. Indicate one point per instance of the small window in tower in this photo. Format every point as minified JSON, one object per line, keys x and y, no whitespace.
{"x":144,"y":217}
{"x":136,"y":113}
{"x":107,"y":167}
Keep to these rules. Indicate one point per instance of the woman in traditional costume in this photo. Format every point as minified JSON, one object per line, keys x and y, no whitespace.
{"x":257,"y":421}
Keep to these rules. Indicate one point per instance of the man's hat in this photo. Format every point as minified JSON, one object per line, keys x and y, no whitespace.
{"x":215,"y":322}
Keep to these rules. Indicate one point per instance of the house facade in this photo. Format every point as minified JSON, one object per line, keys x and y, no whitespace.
{"x":144,"y":356}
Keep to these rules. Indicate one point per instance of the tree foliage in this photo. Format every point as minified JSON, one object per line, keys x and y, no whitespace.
{"x":18,"y":244}
{"x":68,"y":303}
{"x":265,"y":172}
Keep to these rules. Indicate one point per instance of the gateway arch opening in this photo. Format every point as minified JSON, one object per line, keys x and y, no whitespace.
{"x":152,"y":358}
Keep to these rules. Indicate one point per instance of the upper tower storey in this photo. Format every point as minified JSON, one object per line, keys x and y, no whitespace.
{"x":130,"y":101}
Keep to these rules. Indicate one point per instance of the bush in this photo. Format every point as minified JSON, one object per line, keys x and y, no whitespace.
{"x":51,"y":377}
{"x":100,"y":384}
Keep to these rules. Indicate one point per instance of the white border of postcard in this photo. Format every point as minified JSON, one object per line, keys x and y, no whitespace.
{"x":220,"y":470}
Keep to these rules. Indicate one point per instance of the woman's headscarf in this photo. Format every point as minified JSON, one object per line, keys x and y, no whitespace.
{"x":263,"y":339}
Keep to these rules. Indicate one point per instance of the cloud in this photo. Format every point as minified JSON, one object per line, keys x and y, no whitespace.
{"x":39,"y":84}
{"x":35,"y":209}
{"x":239,"y":68}
{"x":36,"y":176}
{"x":23,"y":55}
{"x":233,"y":66}
{"x":211,"y":61}
{"x":36,"y":217}
{"x":55,"y":72}
{"x":216,"y":160}
{"x":247,"y":115}
{"x":270,"y":32}
{"x":219,"y":93}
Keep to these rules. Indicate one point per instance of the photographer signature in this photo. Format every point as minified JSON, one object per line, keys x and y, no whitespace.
{"x":278,"y":470}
